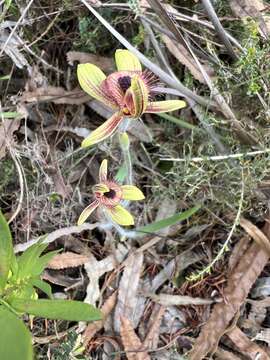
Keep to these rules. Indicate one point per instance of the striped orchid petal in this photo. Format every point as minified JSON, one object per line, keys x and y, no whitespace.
{"x":104,"y":131}
{"x":120,"y":215}
{"x":126,"y":61}
{"x":164,"y":106}
{"x":137,"y":97}
{"x":130,"y":192}
{"x":103,"y":170}
{"x":90,"y":79}
{"x":87,"y":212}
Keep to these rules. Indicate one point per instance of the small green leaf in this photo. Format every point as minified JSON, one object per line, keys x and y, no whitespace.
{"x":6,"y":251}
{"x":15,"y":339}
{"x":58,"y":309}
{"x":43,"y":286}
{"x":158,"y":225}
{"x":28,"y":260}
{"x":42,"y":262}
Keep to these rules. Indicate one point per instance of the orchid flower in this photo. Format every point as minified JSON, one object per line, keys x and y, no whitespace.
{"x":108,"y":195}
{"x":128,"y":92}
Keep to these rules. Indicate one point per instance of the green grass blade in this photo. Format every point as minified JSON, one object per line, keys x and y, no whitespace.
{"x":158,"y":225}
{"x":178,"y":121}
{"x":9,"y":115}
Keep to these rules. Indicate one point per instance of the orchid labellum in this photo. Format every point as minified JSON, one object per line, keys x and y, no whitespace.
{"x":128,"y":92}
{"x":108,"y":195}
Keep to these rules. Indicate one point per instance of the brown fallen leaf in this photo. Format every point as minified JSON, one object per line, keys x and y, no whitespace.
{"x":57,"y":95}
{"x":105,"y":63}
{"x":222,"y":354}
{"x":127,"y":293}
{"x":132,"y":344}
{"x":245,"y":345}
{"x":170,"y":300}
{"x":95,"y":326}
{"x":253,"y":9}
{"x":256,"y":234}
{"x":184,"y":57}
{"x":67,"y":260}
{"x":239,"y":283}
{"x":263,"y":335}
{"x":151,"y":340}
{"x":7,"y":129}
{"x":256,"y":315}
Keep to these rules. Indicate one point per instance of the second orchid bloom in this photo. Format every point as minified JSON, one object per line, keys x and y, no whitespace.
{"x":108,"y":195}
{"x":128,"y":92}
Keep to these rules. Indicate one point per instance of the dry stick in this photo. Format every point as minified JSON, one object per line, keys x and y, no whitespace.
{"x":224,"y":107}
{"x":157,"y":48}
{"x":219,"y":28}
{"x":195,"y":107}
{"x":153,"y":67}
{"x":15,"y":27}
{"x":201,"y":53}
{"x":181,"y":17}
{"x":55,"y":235}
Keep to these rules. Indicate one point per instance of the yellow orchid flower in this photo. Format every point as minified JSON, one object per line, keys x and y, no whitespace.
{"x":128,"y":91}
{"x":108,"y":194}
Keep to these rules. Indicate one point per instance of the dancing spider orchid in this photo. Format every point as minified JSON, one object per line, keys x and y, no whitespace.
{"x":128,"y":92}
{"x":108,"y":195}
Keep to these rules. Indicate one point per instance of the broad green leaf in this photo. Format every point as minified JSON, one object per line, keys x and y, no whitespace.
{"x":158,"y":225}
{"x":58,"y":309}
{"x":15,"y":339}
{"x":6,"y":251}
{"x":177,"y":121}
{"x":43,"y":286}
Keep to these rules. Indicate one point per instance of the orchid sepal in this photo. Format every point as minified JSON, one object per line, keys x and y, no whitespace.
{"x":120,"y":215}
{"x":87,"y":212}
{"x":104,"y":131}
{"x":131,"y":192}
{"x":126,"y":61}
{"x":165,"y":106}
{"x":103,"y":170}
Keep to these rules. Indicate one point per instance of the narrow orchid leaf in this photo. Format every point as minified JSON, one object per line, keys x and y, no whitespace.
{"x":158,"y":225}
{"x":177,"y":121}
